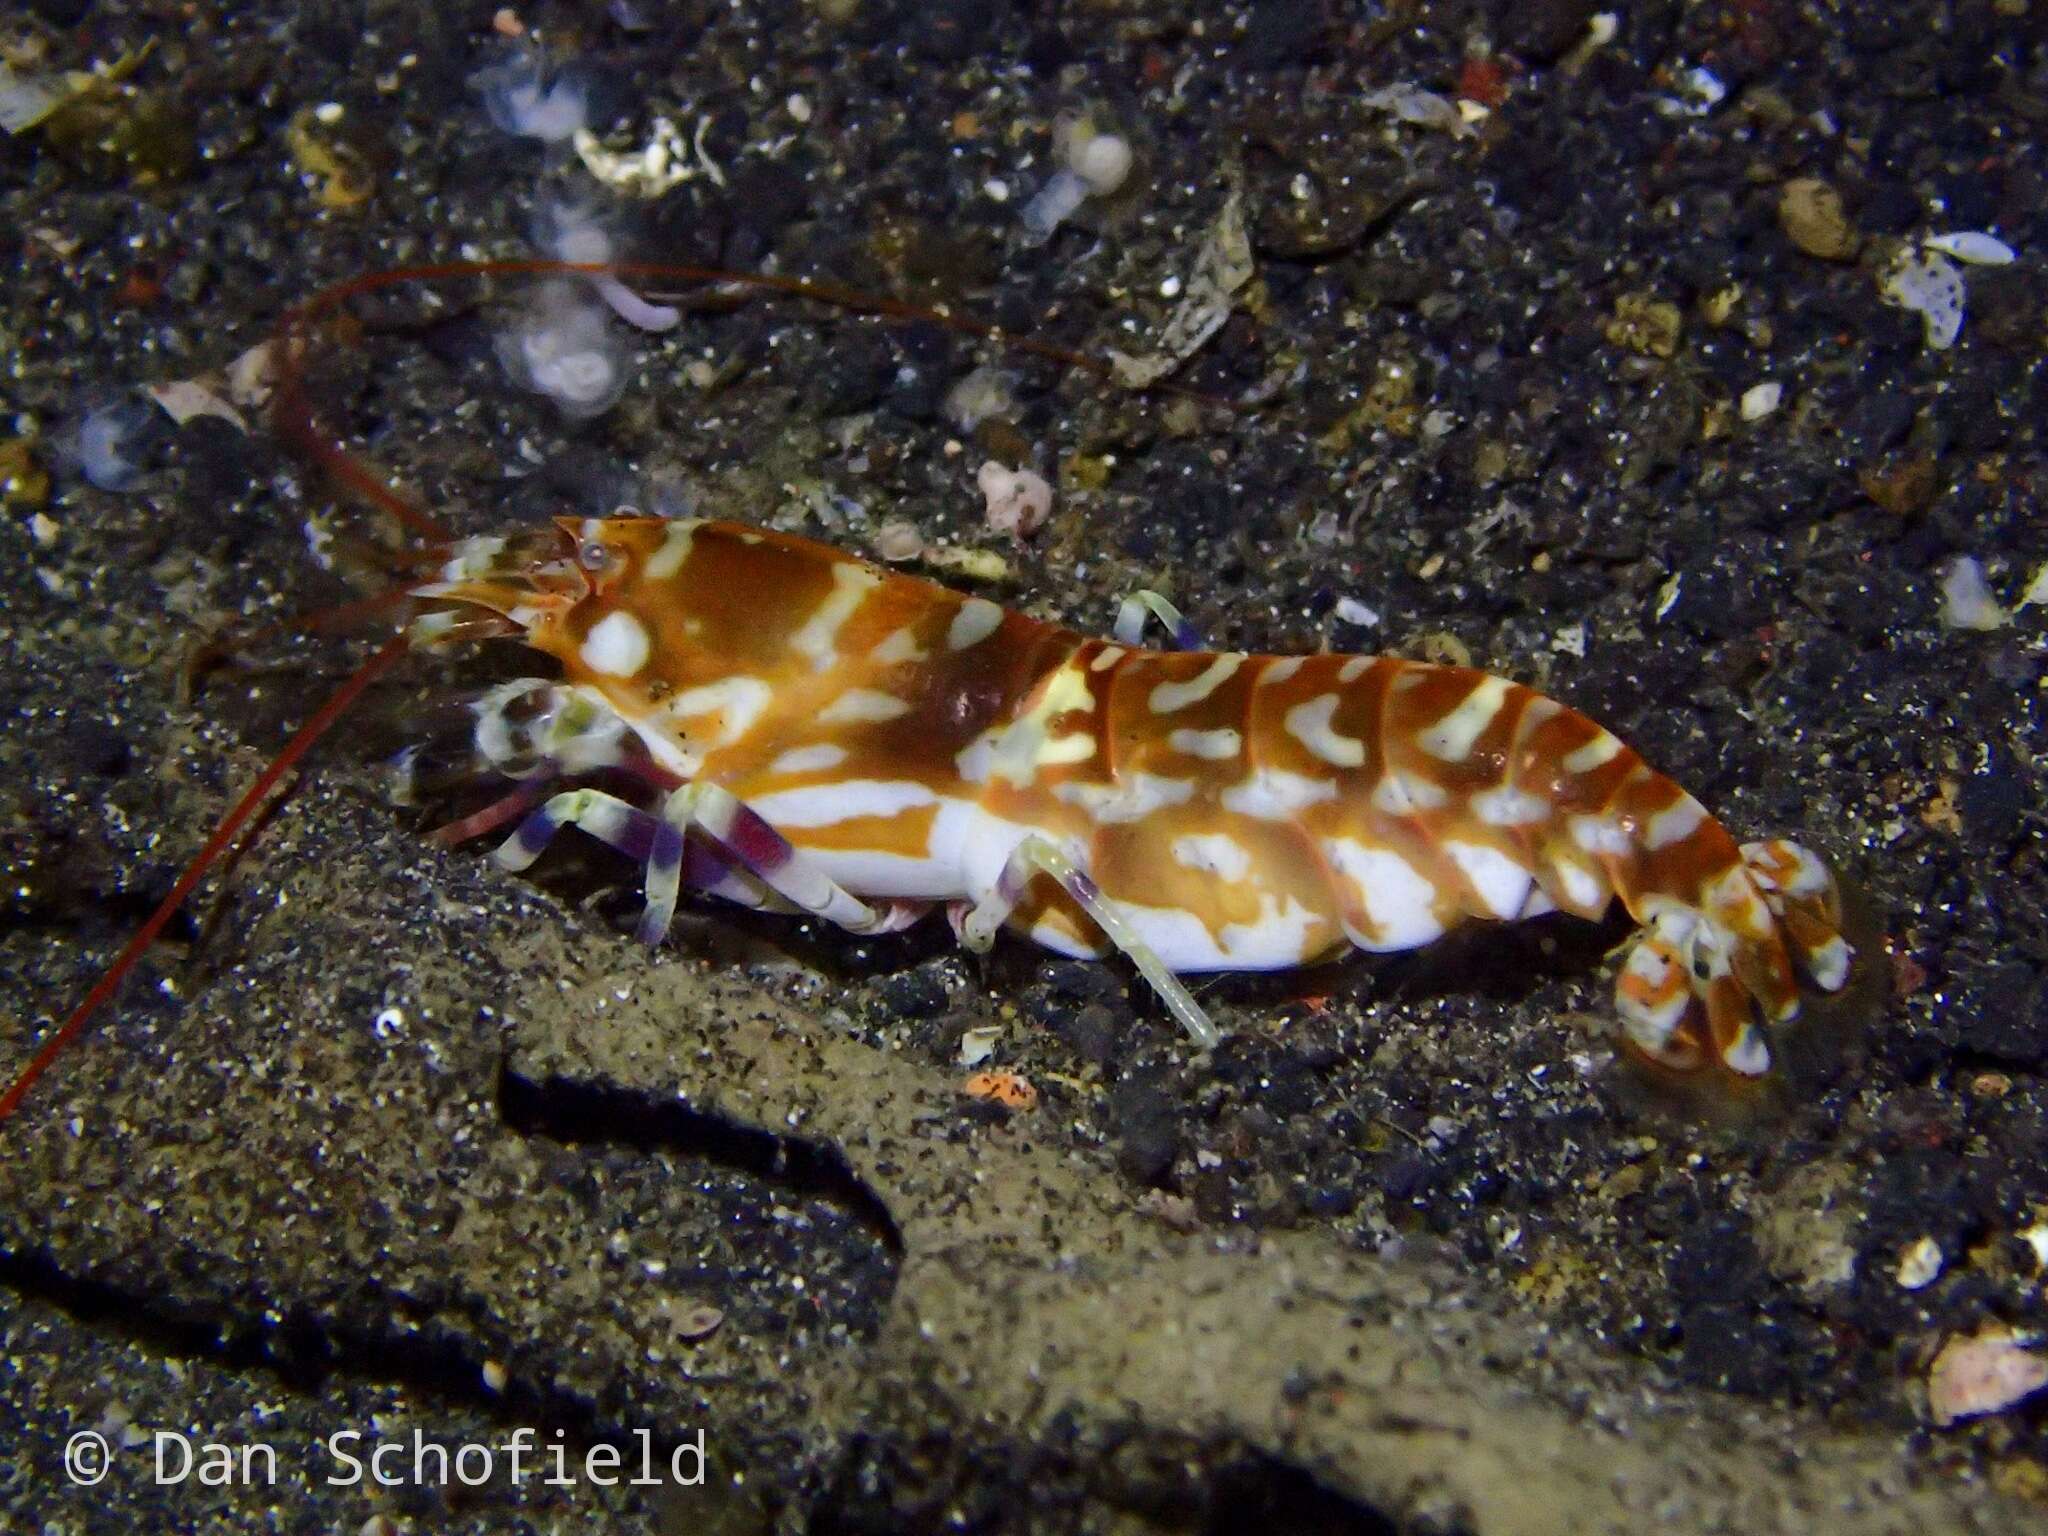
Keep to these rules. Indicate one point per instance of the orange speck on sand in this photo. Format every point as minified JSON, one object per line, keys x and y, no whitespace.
{"x":1006,"y":1088}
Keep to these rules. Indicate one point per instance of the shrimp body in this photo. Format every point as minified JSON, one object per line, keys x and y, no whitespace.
{"x":864,"y":745}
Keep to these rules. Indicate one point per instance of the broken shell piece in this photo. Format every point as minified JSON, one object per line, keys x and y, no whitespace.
{"x":1931,"y":286}
{"x":1988,"y":1373}
{"x":977,"y":1045}
{"x":1974,"y":247}
{"x":182,"y":399}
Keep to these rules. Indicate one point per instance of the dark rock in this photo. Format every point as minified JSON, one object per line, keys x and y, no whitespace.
{"x":914,"y":995}
{"x":1543,"y":31}
{"x":1147,"y":1114}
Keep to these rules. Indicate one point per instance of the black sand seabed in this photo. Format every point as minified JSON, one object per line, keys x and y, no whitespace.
{"x":401,"y":1144}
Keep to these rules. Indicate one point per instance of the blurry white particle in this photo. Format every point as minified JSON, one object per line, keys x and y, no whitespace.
{"x":1571,"y":640}
{"x":2036,"y":1238}
{"x":1931,"y":286}
{"x":2037,"y":589}
{"x":798,"y":106}
{"x":389,"y":1022}
{"x":1919,"y":1264}
{"x":1169,"y":288}
{"x":1351,"y":611}
{"x":329,"y":113}
{"x":998,"y":190}
{"x":1759,"y":400}
{"x":495,"y":1376}
{"x":1966,"y":600}
{"x":1700,"y":91}
{"x":1974,"y":247}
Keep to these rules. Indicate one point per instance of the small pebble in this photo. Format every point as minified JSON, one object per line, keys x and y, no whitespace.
{"x":1759,"y":400}
{"x":1975,"y":1376}
{"x":1966,"y":601}
{"x":1919,"y":1264}
{"x":1812,"y":215}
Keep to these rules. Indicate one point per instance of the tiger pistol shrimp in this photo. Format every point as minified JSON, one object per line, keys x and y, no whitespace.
{"x":828,"y":737}
{"x":813,"y":734}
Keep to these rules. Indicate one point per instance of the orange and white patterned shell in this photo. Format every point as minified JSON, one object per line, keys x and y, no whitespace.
{"x":1244,"y":811}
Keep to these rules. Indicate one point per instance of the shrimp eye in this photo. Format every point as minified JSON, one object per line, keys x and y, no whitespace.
{"x":596,"y":557}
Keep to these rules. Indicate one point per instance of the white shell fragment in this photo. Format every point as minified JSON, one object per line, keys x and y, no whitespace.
{"x":182,"y":399}
{"x":1920,"y":1264}
{"x":1974,"y":247}
{"x":1931,"y":286}
{"x":1966,"y":600}
{"x":1412,"y":104}
{"x":1988,"y":1373}
{"x":1759,"y":400}
{"x":977,"y":1045}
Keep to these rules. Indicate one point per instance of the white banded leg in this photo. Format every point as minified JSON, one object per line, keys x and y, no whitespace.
{"x":1039,"y":855}
{"x":755,"y":849}
{"x":1132,"y":612}
{"x":640,"y":837}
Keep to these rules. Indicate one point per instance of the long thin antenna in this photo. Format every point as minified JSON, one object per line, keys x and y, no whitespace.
{"x":223,"y":835}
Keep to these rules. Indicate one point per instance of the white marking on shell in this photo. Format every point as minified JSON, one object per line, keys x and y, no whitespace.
{"x":1051,"y":932}
{"x":974,"y":845}
{"x":1599,"y":834}
{"x":1014,"y":752}
{"x":1309,"y":724}
{"x":977,"y":619}
{"x":1168,"y":697}
{"x":859,"y":706}
{"x":1600,"y":750}
{"x":741,"y":699}
{"x":1829,"y":964}
{"x":1280,"y":671}
{"x":1747,"y":1053}
{"x":616,"y":646}
{"x":823,"y":805}
{"x":1213,"y":853}
{"x":818,"y":638}
{"x":809,"y":759}
{"x":1277,"y":938}
{"x":1398,"y":900}
{"x":1216,"y":744}
{"x":1074,"y":747}
{"x":901,"y":646}
{"x":663,"y":564}
{"x":1501,"y":884}
{"x":1132,"y":798}
{"x":1451,"y":738}
{"x":1106,"y":658}
{"x":1401,"y":793}
{"x":1179,"y":938}
{"x":1353,"y":669}
{"x":1581,"y":887}
{"x":1509,"y":807}
{"x":1271,"y":794}
{"x":1651,"y":1025}
{"x":1674,"y":824}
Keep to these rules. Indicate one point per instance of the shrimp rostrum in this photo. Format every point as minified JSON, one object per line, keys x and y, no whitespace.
{"x":823,"y":736}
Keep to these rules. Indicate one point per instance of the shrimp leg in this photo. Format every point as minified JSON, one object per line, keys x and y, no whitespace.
{"x":1038,"y":855}
{"x":756,"y":849}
